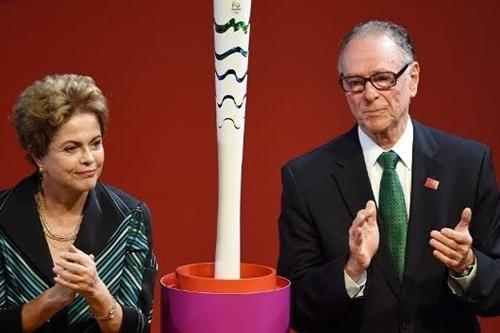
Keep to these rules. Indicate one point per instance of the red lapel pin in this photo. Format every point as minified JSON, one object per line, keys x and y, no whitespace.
{"x":431,"y":183}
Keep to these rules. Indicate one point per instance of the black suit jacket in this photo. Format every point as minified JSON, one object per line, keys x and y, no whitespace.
{"x":104,"y":230}
{"x":322,"y":192}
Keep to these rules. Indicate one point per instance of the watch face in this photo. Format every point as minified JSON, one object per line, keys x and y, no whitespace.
{"x":467,"y":270}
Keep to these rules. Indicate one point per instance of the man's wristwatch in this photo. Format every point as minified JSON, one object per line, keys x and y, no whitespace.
{"x":466,"y":271}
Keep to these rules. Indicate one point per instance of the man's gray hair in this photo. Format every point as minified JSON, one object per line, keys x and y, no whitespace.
{"x":395,"y":32}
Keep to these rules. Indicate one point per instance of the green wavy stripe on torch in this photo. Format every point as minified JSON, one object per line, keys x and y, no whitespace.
{"x":231,"y":24}
{"x":226,"y":54}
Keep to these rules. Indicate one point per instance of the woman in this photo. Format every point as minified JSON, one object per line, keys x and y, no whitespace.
{"x":75,"y":254}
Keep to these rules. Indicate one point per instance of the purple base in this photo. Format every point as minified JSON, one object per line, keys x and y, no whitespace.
{"x":201,"y":312}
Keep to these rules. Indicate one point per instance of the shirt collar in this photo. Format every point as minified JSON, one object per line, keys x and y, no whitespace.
{"x":403,"y":147}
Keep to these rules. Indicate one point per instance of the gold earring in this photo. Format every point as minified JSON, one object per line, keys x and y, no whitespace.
{"x":41,"y":170}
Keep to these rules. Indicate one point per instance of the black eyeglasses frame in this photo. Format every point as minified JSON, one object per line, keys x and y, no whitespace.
{"x":370,"y":79}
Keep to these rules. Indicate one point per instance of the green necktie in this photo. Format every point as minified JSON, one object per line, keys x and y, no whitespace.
{"x":393,"y":210}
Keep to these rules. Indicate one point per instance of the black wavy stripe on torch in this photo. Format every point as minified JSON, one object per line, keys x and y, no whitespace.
{"x":231,"y":72}
{"x":222,"y":29}
{"x":229,"y":119}
{"x":234,"y":101}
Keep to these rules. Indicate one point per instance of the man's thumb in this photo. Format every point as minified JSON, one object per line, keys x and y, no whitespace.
{"x":464,"y":220}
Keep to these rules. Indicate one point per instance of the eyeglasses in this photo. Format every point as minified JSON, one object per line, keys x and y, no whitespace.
{"x":381,"y":81}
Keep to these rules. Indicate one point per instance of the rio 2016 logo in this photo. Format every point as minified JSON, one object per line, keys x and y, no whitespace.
{"x":235,"y":7}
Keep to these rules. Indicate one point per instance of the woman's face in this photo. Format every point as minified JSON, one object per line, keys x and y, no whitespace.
{"x":75,"y":156}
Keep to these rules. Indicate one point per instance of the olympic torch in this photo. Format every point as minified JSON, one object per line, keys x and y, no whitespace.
{"x":231,"y":39}
{"x":227,"y":295}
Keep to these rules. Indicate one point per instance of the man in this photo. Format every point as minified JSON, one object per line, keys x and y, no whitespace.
{"x":403,"y":241}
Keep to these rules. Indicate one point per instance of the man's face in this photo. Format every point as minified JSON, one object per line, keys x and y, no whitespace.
{"x":379,"y":112}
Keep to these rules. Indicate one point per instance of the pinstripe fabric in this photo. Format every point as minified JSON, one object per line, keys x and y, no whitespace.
{"x":120,"y":266}
{"x":19,"y":283}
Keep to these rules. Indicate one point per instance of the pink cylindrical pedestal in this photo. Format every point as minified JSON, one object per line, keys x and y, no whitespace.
{"x":185,"y":311}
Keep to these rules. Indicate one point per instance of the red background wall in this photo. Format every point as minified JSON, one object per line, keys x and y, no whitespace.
{"x":154,"y":61}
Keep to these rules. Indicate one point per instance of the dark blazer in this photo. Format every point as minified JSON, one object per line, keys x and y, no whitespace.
{"x":322,"y":192}
{"x":116,"y":228}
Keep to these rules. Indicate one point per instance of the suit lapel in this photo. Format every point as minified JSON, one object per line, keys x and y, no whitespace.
{"x":424,"y":199}
{"x":101,"y":218}
{"x":349,"y":172}
{"x":20,"y":221}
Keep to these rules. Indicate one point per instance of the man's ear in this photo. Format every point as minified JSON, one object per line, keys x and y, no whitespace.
{"x":414,"y":77}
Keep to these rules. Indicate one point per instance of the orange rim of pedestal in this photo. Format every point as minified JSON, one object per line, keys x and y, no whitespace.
{"x":200,"y":277}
